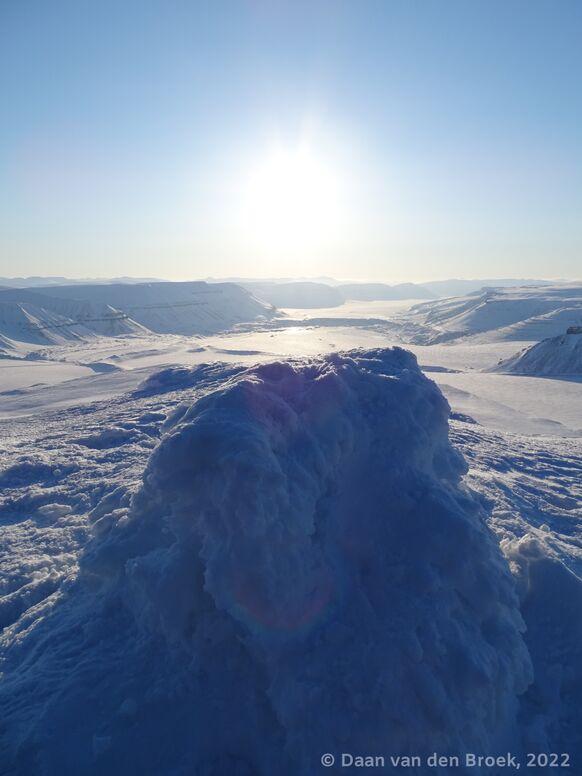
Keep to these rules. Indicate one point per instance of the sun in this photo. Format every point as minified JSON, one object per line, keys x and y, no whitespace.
{"x":291,"y":201}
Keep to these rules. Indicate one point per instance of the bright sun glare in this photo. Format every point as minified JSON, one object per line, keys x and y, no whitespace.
{"x":291,"y":201}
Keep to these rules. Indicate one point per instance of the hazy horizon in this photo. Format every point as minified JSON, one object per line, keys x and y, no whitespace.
{"x":281,"y":278}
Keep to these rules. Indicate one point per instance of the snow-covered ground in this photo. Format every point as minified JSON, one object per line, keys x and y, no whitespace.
{"x":208,"y":570}
{"x":15,"y":375}
{"x":378,"y":309}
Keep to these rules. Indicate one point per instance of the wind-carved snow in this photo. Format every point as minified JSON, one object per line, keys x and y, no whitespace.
{"x":300,"y":572}
{"x":533,"y":489}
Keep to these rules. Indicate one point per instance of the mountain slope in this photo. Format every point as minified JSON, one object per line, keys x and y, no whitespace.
{"x":40,"y":319}
{"x":175,"y":308}
{"x":554,"y":356}
{"x":462,"y":287}
{"x":61,"y":313}
{"x":496,"y":314}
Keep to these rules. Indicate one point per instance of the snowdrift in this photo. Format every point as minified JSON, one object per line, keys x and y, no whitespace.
{"x":551,"y":602}
{"x":300,"y":572}
{"x":559,"y":356}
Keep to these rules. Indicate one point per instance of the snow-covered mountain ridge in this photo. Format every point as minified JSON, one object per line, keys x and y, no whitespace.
{"x":560,"y":355}
{"x":57,"y":314}
{"x":498,"y":314}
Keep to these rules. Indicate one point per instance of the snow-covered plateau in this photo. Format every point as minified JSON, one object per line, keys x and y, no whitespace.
{"x":234,"y":542}
{"x":57,"y":314}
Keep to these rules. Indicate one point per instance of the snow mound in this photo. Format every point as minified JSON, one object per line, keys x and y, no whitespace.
{"x":551,"y":602}
{"x":177,"y":378}
{"x":553,"y":356}
{"x":103,"y":367}
{"x":304,"y":574}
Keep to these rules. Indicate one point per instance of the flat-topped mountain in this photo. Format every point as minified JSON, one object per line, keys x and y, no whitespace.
{"x":57,"y":314}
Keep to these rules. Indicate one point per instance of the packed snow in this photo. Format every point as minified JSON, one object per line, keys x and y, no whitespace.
{"x":246,"y":575}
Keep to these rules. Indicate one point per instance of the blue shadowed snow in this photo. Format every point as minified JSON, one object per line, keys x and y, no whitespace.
{"x":299,"y":572}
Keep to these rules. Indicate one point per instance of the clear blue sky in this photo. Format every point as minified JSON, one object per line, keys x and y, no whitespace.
{"x":452,"y":131}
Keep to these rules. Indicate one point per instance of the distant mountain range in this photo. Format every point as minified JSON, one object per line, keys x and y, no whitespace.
{"x":313,"y":294}
{"x":303,"y":294}
{"x":461,"y":287}
{"x":310,"y":288}
{"x":38,"y":281}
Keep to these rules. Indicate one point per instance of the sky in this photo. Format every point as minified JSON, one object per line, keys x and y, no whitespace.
{"x":390,"y":140}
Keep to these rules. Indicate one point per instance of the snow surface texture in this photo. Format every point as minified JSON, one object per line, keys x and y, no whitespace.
{"x":554,"y":356}
{"x":299,"y":572}
{"x":532,"y":490}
